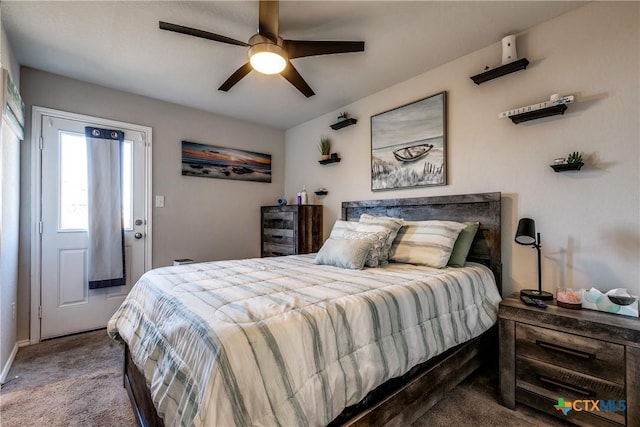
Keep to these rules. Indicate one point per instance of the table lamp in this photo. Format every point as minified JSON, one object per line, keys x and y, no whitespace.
{"x":526,"y":235}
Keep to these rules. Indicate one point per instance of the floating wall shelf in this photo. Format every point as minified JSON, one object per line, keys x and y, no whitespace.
{"x":494,"y":73}
{"x":344,"y":123}
{"x":321,"y":193}
{"x":538,"y":114}
{"x":329,"y":161}
{"x":567,"y":167}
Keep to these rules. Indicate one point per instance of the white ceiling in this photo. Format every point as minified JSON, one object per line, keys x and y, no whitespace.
{"x":117,"y":44}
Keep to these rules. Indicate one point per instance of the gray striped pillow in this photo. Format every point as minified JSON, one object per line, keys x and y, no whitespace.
{"x":340,"y":227}
{"x":426,"y":242}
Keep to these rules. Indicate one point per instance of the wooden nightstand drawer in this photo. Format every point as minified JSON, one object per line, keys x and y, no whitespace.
{"x":553,"y":382}
{"x":278,"y":235}
{"x":284,"y":220}
{"x":581,"y":354}
{"x":272,"y":249}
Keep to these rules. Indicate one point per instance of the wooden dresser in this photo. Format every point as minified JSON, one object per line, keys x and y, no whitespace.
{"x":580,"y":356}
{"x":291,"y":230}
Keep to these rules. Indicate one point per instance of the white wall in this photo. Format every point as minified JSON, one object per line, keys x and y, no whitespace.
{"x":9,"y":206}
{"x":589,"y":220}
{"x":204,"y":219}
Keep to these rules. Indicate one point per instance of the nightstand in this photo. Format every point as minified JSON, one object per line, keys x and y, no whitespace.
{"x":581,"y":356}
{"x":290,"y":230}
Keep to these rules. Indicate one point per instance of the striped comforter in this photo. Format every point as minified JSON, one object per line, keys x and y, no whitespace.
{"x":281,"y":341}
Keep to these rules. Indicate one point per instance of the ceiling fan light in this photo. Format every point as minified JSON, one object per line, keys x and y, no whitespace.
{"x":267,"y":58}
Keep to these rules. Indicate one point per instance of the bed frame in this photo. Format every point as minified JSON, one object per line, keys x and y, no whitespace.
{"x":402,"y":400}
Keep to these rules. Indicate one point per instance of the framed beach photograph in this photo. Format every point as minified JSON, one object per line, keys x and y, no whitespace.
{"x":409,"y":145}
{"x":209,"y":161}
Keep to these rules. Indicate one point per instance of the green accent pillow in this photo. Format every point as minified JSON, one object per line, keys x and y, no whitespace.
{"x":463,"y":244}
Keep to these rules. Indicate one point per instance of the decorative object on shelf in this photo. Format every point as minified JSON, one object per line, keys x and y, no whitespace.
{"x":510,"y":62}
{"x":526,"y":235}
{"x":325,"y":147}
{"x":509,"y":53}
{"x":321,"y":192}
{"x":208,"y":161}
{"x":410,"y":153}
{"x":569,"y":298}
{"x":573,"y":162}
{"x":343,"y":116}
{"x":344,"y":123}
{"x":282,"y":201}
{"x":494,"y":73}
{"x":554,"y":101}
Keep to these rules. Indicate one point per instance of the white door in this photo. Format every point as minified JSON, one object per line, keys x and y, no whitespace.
{"x":67,"y":304}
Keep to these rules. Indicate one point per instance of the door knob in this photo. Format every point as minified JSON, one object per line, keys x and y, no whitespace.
{"x":138,"y":236}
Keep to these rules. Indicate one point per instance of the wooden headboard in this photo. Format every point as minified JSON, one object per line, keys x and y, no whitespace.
{"x":482,"y":207}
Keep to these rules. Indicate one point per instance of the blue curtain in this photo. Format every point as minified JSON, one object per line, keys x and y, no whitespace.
{"x":106,"y":232}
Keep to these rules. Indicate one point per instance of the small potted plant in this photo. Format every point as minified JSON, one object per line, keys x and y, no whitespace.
{"x":343,"y":116}
{"x":325,"y":148}
{"x":574,"y":158}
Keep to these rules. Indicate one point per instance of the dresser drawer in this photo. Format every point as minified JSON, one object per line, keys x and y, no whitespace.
{"x":280,"y":236}
{"x":283,"y":220}
{"x":273,"y":249}
{"x":595,"y":358}
{"x":553,"y":382}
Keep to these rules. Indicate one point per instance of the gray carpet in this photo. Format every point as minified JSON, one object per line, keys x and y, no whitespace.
{"x":70,"y":381}
{"x":77,"y":381}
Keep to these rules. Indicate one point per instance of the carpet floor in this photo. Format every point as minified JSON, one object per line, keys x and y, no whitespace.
{"x":77,"y":381}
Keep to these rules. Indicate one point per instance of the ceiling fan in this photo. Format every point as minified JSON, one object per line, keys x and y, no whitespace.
{"x":268,"y":52}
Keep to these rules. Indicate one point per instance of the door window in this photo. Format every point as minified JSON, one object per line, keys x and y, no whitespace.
{"x":73,"y":214}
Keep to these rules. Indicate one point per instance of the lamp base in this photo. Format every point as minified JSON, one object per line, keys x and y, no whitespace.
{"x":534,"y":293}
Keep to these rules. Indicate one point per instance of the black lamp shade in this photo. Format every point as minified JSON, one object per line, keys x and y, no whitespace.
{"x":526,"y":233}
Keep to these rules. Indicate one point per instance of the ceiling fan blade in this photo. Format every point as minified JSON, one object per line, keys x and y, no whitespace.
{"x":290,"y":73}
{"x":236,"y":77}
{"x":301,"y":48}
{"x":199,"y":33}
{"x":268,"y":19}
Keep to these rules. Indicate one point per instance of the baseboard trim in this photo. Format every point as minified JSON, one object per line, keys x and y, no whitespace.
{"x":7,"y":366}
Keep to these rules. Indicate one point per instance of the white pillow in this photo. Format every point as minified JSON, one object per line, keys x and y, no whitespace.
{"x":386,"y":224}
{"x":343,"y":253}
{"x":426,"y":242}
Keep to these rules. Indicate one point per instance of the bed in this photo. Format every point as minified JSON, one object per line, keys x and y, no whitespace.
{"x":272,"y":358}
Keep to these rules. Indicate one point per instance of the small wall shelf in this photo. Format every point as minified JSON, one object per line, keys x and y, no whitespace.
{"x":329,"y":161}
{"x":538,"y":114}
{"x":567,"y":167}
{"x":344,"y":123}
{"x":494,"y":73}
{"x":321,"y":193}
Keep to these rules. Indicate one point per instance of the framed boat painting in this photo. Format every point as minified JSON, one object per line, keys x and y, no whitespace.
{"x":409,"y":145}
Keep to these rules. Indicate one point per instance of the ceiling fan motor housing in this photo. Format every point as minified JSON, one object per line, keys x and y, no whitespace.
{"x":266,"y":56}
